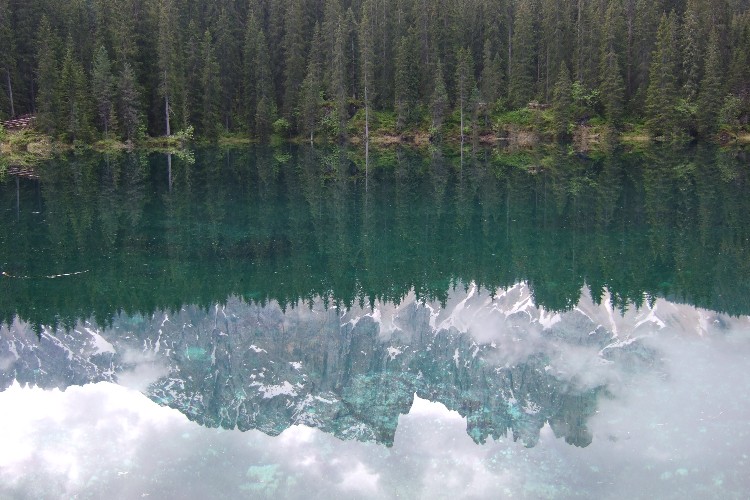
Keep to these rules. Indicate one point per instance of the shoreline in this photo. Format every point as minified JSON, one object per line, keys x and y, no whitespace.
{"x":28,"y":146}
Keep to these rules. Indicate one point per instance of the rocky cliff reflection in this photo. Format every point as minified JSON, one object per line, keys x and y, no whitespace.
{"x":504,"y":364}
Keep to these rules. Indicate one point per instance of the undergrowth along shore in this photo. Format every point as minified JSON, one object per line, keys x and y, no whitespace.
{"x":516,"y":130}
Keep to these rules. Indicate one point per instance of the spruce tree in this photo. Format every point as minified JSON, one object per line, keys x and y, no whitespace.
{"x":47,"y":78}
{"x":691,"y":48}
{"x":406,"y":82}
{"x":75,"y":115}
{"x":103,"y":90}
{"x":367,"y":62}
{"x":249,"y":72}
{"x":439,"y":102}
{"x":337,"y":83}
{"x":562,"y":102}
{"x":464,"y":85}
{"x":7,"y":58}
{"x":310,"y":100}
{"x":294,"y":56}
{"x":129,"y":104}
{"x":210,"y":112}
{"x":711,"y":90}
{"x":265,"y":111}
{"x":661,"y":96}
{"x":491,"y":80}
{"x":521,"y":89}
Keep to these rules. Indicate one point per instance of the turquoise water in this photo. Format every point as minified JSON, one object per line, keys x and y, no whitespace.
{"x":306,"y":323}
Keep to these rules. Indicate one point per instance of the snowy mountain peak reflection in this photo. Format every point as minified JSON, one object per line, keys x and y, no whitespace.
{"x":505,"y":365}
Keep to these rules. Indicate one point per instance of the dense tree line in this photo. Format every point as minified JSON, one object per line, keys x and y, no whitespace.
{"x":97,"y":68}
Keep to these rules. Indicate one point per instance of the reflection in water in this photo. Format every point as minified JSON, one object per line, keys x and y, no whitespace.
{"x":649,"y":403}
{"x":275,"y":225}
{"x":501,"y":362}
{"x":286,"y":291}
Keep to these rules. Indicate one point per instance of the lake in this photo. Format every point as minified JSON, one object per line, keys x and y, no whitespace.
{"x":325,"y":323}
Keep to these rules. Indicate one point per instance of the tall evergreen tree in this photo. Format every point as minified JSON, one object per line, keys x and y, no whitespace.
{"x":129,"y":103}
{"x":47,"y":78}
{"x":170,"y":78}
{"x":310,"y":101}
{"x":7,"y":57}
{"x":661,"y":97}
{"x":691,"y":47}
{"x":465,"y":85}
{"x":74,"y":97}
{"x":562,"y":102}
{"x":521,"y":89}
{"x":337,"y":82}
{"x":103,"y":90}
{"x":210,"y":113}
{"x":407,"y":81}
{"x":439,"y":103}
{"x":612,"y":87}
{"x":491,"y":82}
{"x":294,"y":51}
{"x":711,"y":90}
{"x":367,"y":61}
{"x":265,"y":111}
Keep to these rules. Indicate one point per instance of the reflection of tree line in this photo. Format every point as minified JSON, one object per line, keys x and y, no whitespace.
{"x":287,"y":225}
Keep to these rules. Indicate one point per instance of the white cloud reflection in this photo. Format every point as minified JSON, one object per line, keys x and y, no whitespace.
{"x":677,"y":432}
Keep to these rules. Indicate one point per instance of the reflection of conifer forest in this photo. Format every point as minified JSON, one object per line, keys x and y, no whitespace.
{"x":93,"y":68}
{"x":293,"y":224}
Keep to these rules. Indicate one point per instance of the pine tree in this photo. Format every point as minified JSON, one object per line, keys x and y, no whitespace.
{"x":103,"y":90}
{"x":169,"y":74}
{"x":612,"y":87}
{"x":310,"y":101}
{"x":337,"y":83}
{"x":227,"y":31}
{"x":661,"y":96}
{"x":439,"y":102}
{"x":129,"y":104}
{"x":562,"y":102}
{"x":521,"y":88}
{"x":491,"y":81}
{"x":294,"y":60}
{"x":691,"y":48}
{"x":7,"y":56}
{"x":75,"y":115}
{"x":249,"y":72}
{"x":210,"y":115}
{"x":406,"y":83}
{"x":464,"y":85}
{"x":47,"y":78}
{"x":711,"y":91}
{"x":367,"y":60}
{"x":266,"y":106}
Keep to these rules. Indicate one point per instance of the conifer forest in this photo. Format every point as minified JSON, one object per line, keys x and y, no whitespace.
{"x":127,"y":69}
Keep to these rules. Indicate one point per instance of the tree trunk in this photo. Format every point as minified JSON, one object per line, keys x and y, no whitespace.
{"x":367,"y":114}
{"x":10,"y":95}
{"x":166,"y":112}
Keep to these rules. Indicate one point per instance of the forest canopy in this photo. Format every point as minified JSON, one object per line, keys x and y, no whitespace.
{"x":128,"y":68}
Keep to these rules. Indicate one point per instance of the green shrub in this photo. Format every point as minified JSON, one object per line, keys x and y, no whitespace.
{"x":281,"y":127}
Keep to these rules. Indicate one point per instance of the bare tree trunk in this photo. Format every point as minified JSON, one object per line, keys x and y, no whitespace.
{"x":166,"y":112}
{"x":367,"y":114}
{"x":10,"y":94}
{"x":166,"y":106}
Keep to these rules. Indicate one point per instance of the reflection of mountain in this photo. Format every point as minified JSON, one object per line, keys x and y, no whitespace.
{"x":504,"y":364}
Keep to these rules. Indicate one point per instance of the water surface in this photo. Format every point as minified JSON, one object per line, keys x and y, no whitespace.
{"x":300,"y":323}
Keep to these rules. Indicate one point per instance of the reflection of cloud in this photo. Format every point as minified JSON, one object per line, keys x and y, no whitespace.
{"x":683,"y":436}
{"x":143,"y":369}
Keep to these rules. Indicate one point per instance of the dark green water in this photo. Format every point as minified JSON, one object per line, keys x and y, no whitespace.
{"x":540,"y":325}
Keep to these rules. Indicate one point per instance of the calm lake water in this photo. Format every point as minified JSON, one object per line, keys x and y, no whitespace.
{"x":299,"y":323}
